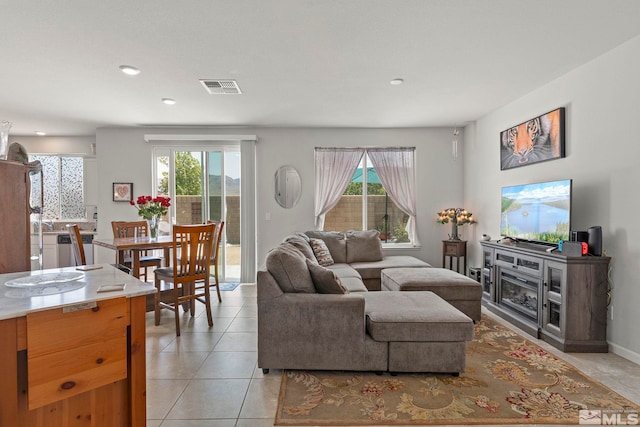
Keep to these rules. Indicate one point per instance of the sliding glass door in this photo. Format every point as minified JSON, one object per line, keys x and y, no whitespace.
{"x":222,"y":194}
{"x":204,"y":185}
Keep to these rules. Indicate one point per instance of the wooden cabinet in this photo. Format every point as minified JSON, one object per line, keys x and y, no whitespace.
{"x":15,"y":227}
{"x":575,"y":304}
{"x":80,"y":365}
{"x":74,"y":351}
{"x":454,"y":249}
{"x":560,"y":299}
{"x":15,"y":244}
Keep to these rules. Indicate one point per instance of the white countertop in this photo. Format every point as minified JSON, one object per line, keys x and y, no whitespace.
{"x":18,"y":301}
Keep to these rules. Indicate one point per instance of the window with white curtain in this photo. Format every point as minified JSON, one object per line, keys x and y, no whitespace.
{"x":367,"y":188}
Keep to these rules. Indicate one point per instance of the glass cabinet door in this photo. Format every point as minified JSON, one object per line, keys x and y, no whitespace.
{"x":554,"y":283}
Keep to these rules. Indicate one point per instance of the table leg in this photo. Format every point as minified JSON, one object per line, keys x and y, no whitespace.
{"x":137,"y":363}
{"x":167,"y":254}
{"x":135,"y":263}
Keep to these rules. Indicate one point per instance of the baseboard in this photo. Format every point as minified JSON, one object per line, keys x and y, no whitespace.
{"x":624,"y":352}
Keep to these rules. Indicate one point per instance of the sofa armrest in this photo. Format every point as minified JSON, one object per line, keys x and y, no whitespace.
{"x":299,"y":331}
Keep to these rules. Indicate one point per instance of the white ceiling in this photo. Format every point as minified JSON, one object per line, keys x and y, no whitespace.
{"x":308,"y":63}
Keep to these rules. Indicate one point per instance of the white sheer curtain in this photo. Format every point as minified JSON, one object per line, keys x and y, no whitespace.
{"x":396,"y":170}
{"x":334,"y":169}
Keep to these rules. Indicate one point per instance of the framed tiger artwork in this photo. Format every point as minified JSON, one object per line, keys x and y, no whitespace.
{"x":536,"y":140}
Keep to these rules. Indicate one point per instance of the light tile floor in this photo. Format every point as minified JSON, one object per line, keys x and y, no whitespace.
{"x":208,"y":377}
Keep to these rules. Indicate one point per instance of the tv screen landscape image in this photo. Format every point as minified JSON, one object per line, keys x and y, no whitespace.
{"x":538,"y":212}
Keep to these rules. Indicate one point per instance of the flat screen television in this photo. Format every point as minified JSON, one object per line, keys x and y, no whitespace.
{"x":538,"y":212}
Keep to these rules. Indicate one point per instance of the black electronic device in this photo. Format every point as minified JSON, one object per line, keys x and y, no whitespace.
{"x":579,"y":236}
{"x":595,"y":240}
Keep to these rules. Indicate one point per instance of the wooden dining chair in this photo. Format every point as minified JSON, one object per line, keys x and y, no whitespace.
{"x":134,"y":229}
{"x":76,"y":244}
{"x":78,"y":248}
{"x":217,"y":239}
{"x":190,"y":273}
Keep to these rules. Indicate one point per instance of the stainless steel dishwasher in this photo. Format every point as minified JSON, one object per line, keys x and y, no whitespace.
{"x":66,"y":257}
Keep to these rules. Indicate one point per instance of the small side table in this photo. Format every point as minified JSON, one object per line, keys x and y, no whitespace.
{"x":454,"y":249}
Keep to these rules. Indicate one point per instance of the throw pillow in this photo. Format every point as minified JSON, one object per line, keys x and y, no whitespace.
{"x":325,"y":280}
{"x":288,"y":266}
{"x":302,"y":245}
{"x":321,"y":252}
{"x":335,"y":241}
{"x":363,"y":246}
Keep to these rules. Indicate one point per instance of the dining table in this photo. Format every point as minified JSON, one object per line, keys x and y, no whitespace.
{"x":137,"y":245}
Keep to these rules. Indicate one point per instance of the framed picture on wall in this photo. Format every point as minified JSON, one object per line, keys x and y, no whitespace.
{"x":122,"y":191}
{"x":537,"y":140}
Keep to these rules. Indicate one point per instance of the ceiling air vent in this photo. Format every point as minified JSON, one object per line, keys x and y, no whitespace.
{"x":221,"y":87}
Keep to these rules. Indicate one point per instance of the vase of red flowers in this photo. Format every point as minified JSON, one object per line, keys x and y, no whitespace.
{"x":151,"y":209}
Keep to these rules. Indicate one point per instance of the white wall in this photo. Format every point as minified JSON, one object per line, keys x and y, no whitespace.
{"x":602,"y":158}
{"x":124,"y":156}
{"x":439,"y":179}
{"x":80,"y":145}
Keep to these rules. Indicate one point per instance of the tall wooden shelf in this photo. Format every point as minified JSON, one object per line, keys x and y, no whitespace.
{"x":560,"y":299}
{"x":15,"y":245}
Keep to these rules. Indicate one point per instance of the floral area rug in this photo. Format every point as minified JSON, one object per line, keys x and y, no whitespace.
{"x":508,"y":380}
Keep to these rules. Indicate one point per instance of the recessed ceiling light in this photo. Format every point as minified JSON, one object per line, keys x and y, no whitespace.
{"x":169,"y":101}
{"x":397,"y":82}
{"x":129,"y":70}
{"x":40,"y":133}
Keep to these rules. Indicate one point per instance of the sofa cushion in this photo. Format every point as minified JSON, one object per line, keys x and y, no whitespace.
{"x":325,"y":280}
{"x":349,"y":277}
{"x":335,"y":241}
{"x":448,"y":284}
{"x":363,"y":246}
{"x":304,"y":236}
{"x":414,"y":316}
{"x":353,"y":284}
{"x":289,"y":267}
{"x":372,"y":270}
{"x":302,"y":245}
{"x":344,"y":270}
{"x":321,"y":252}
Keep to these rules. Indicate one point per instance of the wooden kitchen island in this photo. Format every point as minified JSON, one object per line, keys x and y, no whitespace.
{"x":70,"y":355}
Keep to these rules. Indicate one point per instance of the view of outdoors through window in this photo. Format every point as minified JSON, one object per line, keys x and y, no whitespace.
{"x":201,"y":194}
{"x":380,"y":214}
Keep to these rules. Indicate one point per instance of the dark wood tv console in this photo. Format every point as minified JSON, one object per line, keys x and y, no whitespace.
{"x":559,"y":299}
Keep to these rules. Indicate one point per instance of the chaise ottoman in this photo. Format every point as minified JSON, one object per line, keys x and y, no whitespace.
{"x":424,"y":333}
{"x":457,"y":289}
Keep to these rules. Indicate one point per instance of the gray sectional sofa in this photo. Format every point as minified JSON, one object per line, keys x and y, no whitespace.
{"x":323,"y":317}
